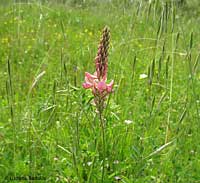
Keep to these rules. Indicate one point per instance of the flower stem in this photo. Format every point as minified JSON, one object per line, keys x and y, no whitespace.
{"x":103,"y":143}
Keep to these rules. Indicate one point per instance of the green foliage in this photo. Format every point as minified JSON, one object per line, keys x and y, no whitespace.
{"x":48,"y":123}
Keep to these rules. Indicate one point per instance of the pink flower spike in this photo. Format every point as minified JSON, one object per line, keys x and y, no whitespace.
{"x":97,"y":81}
{"x":110,"y":86}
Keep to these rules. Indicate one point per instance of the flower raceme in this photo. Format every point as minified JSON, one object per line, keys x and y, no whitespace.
{"x":97,"y":81}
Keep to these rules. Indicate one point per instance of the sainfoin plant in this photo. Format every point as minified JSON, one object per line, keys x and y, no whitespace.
{"x":97,"y":83}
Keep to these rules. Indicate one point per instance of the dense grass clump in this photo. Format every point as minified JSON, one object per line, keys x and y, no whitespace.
{"x":49,"y":128}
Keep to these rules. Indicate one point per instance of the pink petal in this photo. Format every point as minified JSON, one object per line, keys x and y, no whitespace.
{"x":101,"y":86}
{"x":87,"y":85}
{"x":110,"y":86}
{"x":89,"y":77}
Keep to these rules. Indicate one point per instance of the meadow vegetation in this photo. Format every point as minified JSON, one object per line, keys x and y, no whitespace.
{"x":48,"y":123}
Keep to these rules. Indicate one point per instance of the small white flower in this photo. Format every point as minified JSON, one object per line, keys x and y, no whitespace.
{"x":143,"y":76}
{"x":89,"y":163}
{"x":118,"y":178}
{"x":116,"y":162}
{"x":128,"y":122}
{"x":55,"y":158}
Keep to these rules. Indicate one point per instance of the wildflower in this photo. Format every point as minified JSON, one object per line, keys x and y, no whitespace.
{"x":89,"y":163}
{"x":118,"y":178}
{"x":143,"y":76}
{"x":116,"y":162}
{"x":128,"y":122}
{"x":97,"y":81}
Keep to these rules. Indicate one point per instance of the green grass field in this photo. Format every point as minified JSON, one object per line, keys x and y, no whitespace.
{"x":49,"y":128}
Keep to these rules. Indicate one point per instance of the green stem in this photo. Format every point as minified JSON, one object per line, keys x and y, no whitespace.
{"x":103,"y":143}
